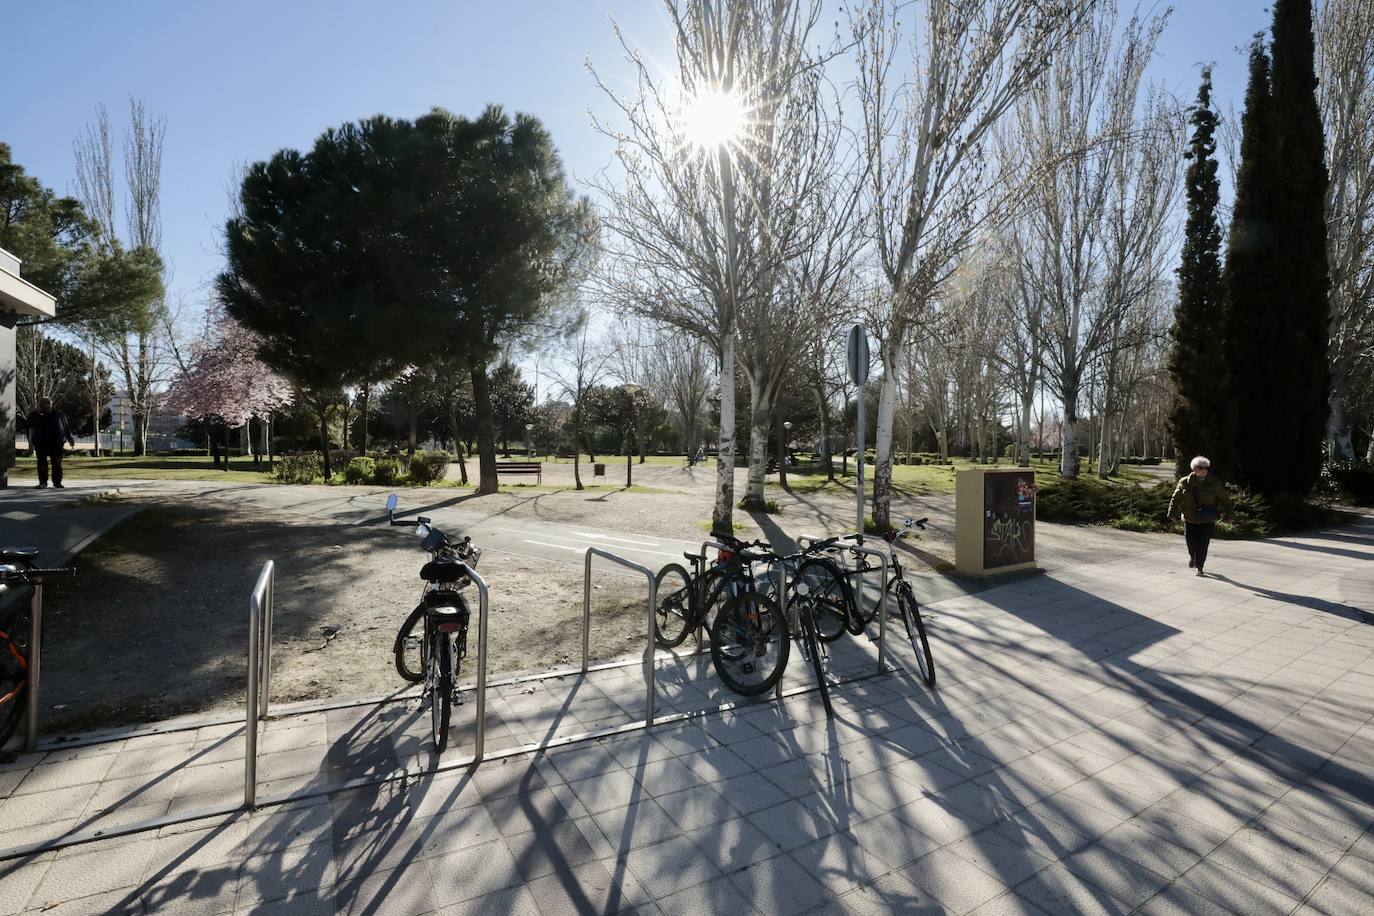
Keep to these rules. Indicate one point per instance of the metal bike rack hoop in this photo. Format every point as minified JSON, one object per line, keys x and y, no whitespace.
{"x":882,"y":590}
{"x":259,"y":658}
{"x":482,"y":604}
{"x":35,"y":666}
{"x":587,"y":620}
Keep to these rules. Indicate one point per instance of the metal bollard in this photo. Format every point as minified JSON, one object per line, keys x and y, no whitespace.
{"x":482,"y":604}
{"x":35,"y":666}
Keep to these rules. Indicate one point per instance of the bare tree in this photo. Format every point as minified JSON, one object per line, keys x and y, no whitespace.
{"x":1345,"y":70}
{"x":587,"y":363}
{"x":699,"y":216}
{"x":1082,"y":122}
{"x":929,"y":97}
{"x":131,"y":339}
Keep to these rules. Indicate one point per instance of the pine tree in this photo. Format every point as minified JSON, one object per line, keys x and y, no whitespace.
{"x":1254,"y":364}
{"x":1200,"y":417}
{"x":1301,"y":202}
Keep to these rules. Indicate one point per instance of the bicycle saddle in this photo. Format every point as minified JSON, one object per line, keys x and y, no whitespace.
{"x":18,"y":553}
{"x":443,"y":571}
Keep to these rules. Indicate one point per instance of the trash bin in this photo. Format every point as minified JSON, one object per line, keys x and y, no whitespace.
{"x":598,"y":470}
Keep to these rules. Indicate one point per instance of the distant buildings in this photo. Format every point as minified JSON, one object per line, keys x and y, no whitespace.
{"x":18,"y":299}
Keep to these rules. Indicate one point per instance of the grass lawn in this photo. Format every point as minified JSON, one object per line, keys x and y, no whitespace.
{"x":927,"y":479}
{"x":180,"y":467}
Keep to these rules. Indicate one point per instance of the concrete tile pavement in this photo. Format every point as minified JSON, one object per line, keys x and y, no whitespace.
{"x":1120,"y":737}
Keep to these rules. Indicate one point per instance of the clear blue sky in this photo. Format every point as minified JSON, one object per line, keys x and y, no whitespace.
{"x":239,"y":80}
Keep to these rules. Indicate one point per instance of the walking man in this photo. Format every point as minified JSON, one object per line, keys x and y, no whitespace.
{"x":48,"y":431}
{"x":1201,"y":499}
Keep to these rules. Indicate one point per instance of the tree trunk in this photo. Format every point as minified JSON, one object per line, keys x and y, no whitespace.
{"x":226,"y":448}
{"x":1338,"y":444}
{"x":882,"y":441}
{"x":827,"y":461}
{"x":412,"y":420}
{"x":140,"y":440}
{"x":486,"y":435}
{"x":462,"y":463}
{"x":577,"y":445}
{"x":723,"y":513}
{"x":367,"y":394}
{"x":323,"y":414}
{"x":1068,"y":437}
{"x":759,"y":412}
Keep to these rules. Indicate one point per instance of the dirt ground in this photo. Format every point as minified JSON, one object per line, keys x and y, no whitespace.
{"x":155,"y":624}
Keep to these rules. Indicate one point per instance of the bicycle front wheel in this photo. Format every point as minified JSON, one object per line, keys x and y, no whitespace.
{"x":676,"y":606}
{"x":830,"y":600}
{"x":916,"y":632}
{"x":749,"y":644}
{"x":440,"y":680}
{"x":14,"y":683}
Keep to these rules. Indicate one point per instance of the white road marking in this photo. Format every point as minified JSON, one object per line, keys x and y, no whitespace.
{"x":609,"y":537}
{"x":559,"y":546}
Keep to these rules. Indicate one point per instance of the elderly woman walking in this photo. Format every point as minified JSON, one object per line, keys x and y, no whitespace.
{"x":1201,"y":499}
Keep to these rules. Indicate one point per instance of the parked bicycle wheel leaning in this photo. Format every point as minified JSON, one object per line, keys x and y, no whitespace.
{"x":435,"y":655}
{"x":19,"y":576}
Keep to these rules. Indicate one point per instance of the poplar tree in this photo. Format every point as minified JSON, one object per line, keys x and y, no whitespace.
{"x":1256,"y":358}
{"x":1300,"y":197}
{"x":1200,"y":416}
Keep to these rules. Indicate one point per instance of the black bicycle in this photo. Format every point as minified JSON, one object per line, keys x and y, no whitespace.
{"x":689,"y":601}
{"x":435,"y":657}
{"x":835,"y":605}
{"x":18,"y":576}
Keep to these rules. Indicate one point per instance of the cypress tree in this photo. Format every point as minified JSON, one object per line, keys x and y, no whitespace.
{"x":1301,"y":202}
{"x":1200,"y":416}
{"x":1255,"y":352}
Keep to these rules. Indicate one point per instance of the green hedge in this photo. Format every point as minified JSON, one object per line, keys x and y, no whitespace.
{"x":304,"y":468}
{"x":429,"y":467}
{"x":1353,"y":480}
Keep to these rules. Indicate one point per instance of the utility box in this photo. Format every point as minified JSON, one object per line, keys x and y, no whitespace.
{"x":598,"y":470}
{"x":994,"y":521}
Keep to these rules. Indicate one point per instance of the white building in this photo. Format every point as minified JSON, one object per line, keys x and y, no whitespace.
{"x":19,"y":299}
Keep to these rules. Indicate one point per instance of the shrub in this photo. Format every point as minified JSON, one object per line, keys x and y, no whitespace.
{"x":768,"y":506}
{"x":1354,"y":480}
{"x":304,"y":468}
{"x":360,"y":470}
{"x":427,"y":467}
{"x":387,"y":471}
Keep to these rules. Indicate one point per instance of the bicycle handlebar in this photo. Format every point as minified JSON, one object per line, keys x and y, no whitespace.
{"x":9,"y":572}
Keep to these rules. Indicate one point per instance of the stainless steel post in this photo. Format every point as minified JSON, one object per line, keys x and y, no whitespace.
{"x":787,"y":621}
{"x":250,"y":723}
{"x":705,"y":544}
{"x":269,"y":569}
{"x":482,"y":604}
{"x":35,"y":666}
{"x":649,"y":654}
{"x":882,"y":600}
{"x":586,"y":610}
{"x":859,"y":463}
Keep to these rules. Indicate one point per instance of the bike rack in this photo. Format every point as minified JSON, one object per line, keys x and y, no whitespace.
{"x":649,"y":653}
{"x":259,"y":675}
{"x":35,"y":665}
{"x":882,"y":592}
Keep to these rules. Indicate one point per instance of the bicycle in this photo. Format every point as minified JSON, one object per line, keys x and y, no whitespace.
{"x":836,"y":607}
{"x":688,"y":601}
{"x":444,"y":614}
{"x":18,"y":577}
{"x":749,"y":639}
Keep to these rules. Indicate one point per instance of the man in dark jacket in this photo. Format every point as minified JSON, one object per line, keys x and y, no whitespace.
{"x":48,"y":430}
{"x":1201,"y":499}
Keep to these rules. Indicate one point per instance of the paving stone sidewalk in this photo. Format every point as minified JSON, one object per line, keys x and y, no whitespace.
{"x":1118,"y":738}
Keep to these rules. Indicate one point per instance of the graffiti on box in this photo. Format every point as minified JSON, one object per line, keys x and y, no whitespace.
{"x":1008,"y":519}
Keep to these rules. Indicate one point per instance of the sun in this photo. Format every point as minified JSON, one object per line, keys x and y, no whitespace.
{"x":713,"y":118}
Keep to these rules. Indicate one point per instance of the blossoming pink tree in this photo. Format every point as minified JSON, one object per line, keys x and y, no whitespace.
{"x":225,"y":382}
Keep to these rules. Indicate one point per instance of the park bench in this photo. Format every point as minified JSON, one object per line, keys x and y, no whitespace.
{"x":521,"y":467}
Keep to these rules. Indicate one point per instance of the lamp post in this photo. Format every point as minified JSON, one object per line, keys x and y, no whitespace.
{"x":529,"y":447}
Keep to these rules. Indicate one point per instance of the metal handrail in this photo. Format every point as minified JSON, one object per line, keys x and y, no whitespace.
{"x":587,"y":620}
{"x":259,"y":611}
{"x":882,"y":590}
{"x":482,"y":603}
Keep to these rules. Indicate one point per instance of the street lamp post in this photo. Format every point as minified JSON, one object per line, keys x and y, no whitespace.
{"x":529,"y":446}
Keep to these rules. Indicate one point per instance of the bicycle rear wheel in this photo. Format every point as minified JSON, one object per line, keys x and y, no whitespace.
{"x":829,"y":596}
{"x":804,"y":610}
{"x":916,"y":632}
{"x":676,"y":606}
{"x":410,"y":662}
{"x":440,"y":683}
{"x":749,"y":644}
